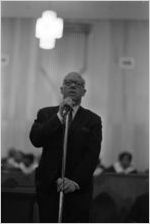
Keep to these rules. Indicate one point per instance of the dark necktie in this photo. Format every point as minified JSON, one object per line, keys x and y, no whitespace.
{"x":70,"y":117}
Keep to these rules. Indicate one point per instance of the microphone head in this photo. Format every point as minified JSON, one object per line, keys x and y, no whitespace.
{"x":67,"y":108}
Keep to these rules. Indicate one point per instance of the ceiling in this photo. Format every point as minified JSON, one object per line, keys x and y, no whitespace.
{"x":77,"y":10}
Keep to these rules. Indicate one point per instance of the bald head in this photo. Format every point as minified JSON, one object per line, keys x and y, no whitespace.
{"x":73,"y":87}
{"x":75,"y":76}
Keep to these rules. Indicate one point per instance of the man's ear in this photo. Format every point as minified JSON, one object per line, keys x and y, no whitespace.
{"x":84,"y":92}
{"x":61,"y":90}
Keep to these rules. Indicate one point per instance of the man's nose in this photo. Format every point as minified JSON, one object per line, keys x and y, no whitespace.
{"x":73,"y":84}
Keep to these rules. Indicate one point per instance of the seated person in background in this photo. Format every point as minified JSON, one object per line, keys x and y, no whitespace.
{"x":17,"y":160}
{"x":123,"y":165}
{"x":8,"y":161}
{"x":28,"y":165}
{"x":14,"y":159}
{"x":99,"y":168}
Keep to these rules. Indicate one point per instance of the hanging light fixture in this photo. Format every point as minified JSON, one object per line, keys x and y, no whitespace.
{"x":48,"y":28}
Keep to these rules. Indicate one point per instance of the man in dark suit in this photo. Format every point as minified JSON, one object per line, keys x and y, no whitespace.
{"x":84,"y":144}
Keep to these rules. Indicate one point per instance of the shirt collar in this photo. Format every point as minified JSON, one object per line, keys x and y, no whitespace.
{"x":75,"y":109}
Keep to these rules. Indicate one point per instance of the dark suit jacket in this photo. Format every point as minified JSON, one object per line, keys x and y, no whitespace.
{"x":84,"y":143}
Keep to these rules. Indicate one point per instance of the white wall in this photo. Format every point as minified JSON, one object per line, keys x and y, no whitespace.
{"x":32,"y":78}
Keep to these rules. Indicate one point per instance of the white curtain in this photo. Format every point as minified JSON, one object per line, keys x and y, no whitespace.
{"x":31,"y":77}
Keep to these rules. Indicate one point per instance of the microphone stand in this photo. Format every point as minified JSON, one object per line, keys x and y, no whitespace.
{"x":61,"y":195}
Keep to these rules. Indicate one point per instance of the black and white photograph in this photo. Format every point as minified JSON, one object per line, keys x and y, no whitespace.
{"x":75,"y":111}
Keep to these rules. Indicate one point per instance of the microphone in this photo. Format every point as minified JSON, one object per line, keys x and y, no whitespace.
{"x":67,"y":108}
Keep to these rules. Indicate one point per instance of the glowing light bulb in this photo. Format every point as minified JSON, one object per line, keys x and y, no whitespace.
{"x":48,"y":28}
{"x":47,"y":43}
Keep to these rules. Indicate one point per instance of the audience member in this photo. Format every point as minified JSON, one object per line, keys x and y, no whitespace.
{"x":28,"y":165}
{"x":18,"y":160}
{"x":123,"y":165}
{"x":99,"y":168}
{"x":14,"y":158}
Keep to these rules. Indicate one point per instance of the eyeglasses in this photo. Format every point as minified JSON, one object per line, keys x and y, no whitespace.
{"x":76,"y":83}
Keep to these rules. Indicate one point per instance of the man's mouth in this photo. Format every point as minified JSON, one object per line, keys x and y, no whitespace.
{"x":72,"y":92}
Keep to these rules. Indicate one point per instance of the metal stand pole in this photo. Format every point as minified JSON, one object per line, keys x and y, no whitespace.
{"x":61,"y":196}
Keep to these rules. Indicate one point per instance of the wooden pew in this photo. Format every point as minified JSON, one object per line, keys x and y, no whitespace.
{"x":19,"y":202}
{"x":18,"y":197}
{"x":122,"y":189}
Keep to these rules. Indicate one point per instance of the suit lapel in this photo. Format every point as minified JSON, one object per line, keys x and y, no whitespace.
{"x":77,"y":120}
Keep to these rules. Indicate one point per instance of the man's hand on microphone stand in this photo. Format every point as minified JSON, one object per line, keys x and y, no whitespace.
{"x":66,"y":185}
{"x":64,"y":106}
